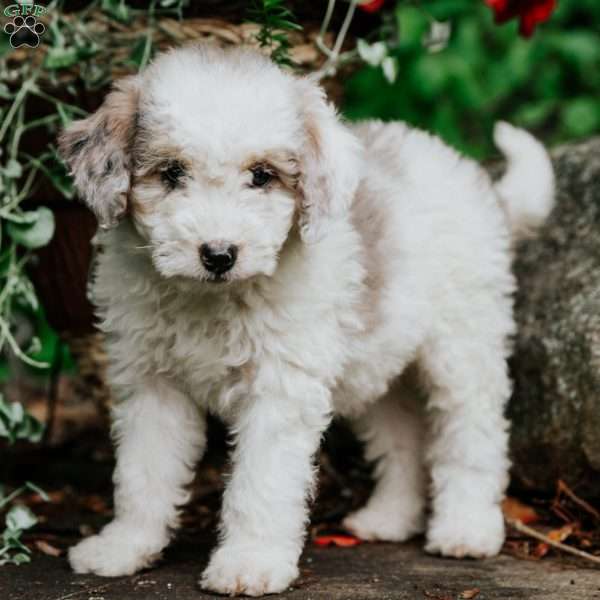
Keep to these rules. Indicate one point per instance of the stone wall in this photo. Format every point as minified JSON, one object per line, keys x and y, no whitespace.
{"x":556,"y":366}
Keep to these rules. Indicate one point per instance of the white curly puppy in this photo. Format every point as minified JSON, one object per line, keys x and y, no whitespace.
{"x":265,"y":262}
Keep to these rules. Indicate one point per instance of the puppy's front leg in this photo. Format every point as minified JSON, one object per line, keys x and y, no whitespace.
{"x":160,"y":435}
{"x":264,"y":506}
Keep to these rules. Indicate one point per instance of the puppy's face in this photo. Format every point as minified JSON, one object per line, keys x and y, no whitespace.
{"x":214,"y":156}
{"x":216,"y":173}
{"x":215,"y":221}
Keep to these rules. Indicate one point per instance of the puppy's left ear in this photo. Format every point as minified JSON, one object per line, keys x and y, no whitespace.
{"x":331,"y":164}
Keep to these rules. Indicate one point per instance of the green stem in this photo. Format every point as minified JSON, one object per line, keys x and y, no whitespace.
{"x":11,"y":496}
{"x":21,"y":94}
{"x":7,"y":336}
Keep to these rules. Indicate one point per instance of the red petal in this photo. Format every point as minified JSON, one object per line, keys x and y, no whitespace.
{"x":343,"y":541}
{"x":371,"y":6}
{"x":535,"y":14}
{"x":530,"y":12}
{"x":504,"y":10}
{"x":497,"y":4}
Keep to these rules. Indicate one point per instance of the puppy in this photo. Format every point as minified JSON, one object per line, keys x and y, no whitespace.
{"x":264,"y":262}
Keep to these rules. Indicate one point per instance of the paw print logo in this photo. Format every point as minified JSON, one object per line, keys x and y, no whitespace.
{"x":24,"y":31}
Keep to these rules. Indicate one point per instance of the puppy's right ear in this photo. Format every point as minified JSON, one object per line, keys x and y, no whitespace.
{"x":97,"y":151}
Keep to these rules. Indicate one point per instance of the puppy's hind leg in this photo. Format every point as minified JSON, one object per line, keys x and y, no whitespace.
{"x":393,"y":431}
{"x":160,"y":436}
{"x":468,"y":450}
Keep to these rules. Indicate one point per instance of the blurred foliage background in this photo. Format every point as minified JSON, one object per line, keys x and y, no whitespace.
{"x":549,"y":84}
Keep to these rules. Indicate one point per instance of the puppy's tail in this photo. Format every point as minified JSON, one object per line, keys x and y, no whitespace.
{"x":527,"y":188}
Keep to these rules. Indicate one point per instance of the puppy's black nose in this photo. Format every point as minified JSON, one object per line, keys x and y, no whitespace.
{"x":218,"y":259}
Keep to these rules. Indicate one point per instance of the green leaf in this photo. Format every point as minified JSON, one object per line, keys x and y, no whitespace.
{"x":117,"y":9}
{"x":576,"y":46}
{"x":13,"y":169}
{"x":412,"y":26}
{"x":372,"y":54}
{"x":20,"y":558}
{"x":436,"y":39}
{"x":19,"y":518}
{"x":141,"y":52}
{"x":534,"y":114}
{"x":24,"y":288}
{"x":14,"y":412}
{"x":64,"y":113}
{"x":4,"y":431}
{"x":429,"y":76}
{"x":61,"y":58}
{"x":389,"y":66}
{"x":4,"y":377}
{"x":36,"y":234}
{"x":581,"y":117}
{"x":5,"y":92}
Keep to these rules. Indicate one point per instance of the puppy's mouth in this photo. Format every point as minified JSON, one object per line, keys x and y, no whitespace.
{"x":218,"y":278}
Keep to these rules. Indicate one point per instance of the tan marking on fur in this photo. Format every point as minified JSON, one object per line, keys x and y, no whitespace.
{"x":97,"y":150}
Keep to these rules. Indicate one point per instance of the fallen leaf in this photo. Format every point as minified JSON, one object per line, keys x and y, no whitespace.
{"x":517,"y":510}
{"x":468,"y":594}
{"x":559,"y":535}
{"x":94,"y":503}
{"x":540,"y":550}
{"x":48,"y":549}
{"x":342,"y":541}
{"x":556,"y":535}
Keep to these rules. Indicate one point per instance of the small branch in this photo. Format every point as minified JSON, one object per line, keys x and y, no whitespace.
{"x":522,"y":528}
{"x":565,"y":489}
{"x":333,"y":55}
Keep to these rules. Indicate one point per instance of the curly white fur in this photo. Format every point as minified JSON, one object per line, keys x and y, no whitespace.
{"x":375,"y":248}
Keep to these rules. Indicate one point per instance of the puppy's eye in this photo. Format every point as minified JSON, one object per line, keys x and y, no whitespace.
{"x":172,"y":174}
{"x":261,"y":176}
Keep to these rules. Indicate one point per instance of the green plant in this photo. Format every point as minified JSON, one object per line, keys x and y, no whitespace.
{"x":18,"y":519}
{"x":16,"y":424}
{"x":549,"y":84}
{"x":276,"y":21}
{"x":39,"y":96}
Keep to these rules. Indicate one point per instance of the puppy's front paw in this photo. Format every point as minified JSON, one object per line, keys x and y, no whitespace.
{"x":250,"y":571}
{"x":110,"y":555}
{"x":392,"y":524}
{"x":477,"y":533}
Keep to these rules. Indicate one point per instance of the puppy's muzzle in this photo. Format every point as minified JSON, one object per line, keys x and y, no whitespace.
{"x":217,"y":258}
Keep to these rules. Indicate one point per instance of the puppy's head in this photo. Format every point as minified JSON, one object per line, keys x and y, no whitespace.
{"x":214,"y":155}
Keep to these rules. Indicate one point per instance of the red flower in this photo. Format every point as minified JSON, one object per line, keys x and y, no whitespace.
{"x":530,"y":12}
{"x":371,"y":6}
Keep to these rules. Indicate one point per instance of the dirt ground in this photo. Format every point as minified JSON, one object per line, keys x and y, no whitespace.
{"x":375,"y":571}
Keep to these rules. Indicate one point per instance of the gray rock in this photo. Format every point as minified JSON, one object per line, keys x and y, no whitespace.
{"x":556,"y":366}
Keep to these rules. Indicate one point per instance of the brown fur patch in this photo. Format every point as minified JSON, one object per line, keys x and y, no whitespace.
{"x":97,"y":150}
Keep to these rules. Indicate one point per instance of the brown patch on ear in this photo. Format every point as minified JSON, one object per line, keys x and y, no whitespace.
{"x":97,"y":151}
{"x":331,"y":165}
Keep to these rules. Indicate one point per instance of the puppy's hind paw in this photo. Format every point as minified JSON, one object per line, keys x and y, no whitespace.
{"x":390,"y":525}
{"x":479,"y":534}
